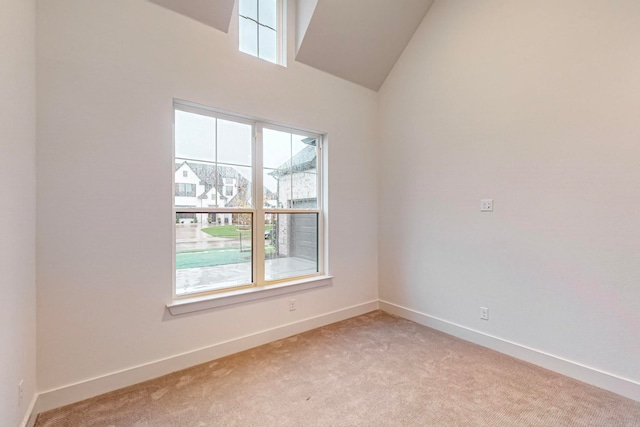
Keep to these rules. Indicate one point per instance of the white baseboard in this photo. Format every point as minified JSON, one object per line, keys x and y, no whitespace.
{"x":30,"y":416}
{"x":622,"y":386}
{"x":83,"y":390}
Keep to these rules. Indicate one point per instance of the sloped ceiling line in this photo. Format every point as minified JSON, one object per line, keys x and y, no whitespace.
{"x":357,"y":40}
{"x":215,"y":13}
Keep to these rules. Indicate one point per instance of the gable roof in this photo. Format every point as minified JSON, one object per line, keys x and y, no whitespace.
{"x":305,"y":159}
{"x":212,"y":176}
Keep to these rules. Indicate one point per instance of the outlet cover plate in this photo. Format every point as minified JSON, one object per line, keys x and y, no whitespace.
{"x":486,"y":205}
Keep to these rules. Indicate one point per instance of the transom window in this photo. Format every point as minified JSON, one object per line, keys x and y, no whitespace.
{"x":260,"y":29}
{"x":250,"y":213}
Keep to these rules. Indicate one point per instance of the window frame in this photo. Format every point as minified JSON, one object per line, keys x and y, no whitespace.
{"x":184,"y":192}
{"x":257,"y":210}
{"x":281,"y":32}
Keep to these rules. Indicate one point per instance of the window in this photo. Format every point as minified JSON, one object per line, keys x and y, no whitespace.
{"x":185,"y":190}
{"x":185,"y":174}
{"x":260,"y":29}
{"x":270,"y":230}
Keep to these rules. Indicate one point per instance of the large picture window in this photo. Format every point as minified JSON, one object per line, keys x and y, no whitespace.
{"x":247,"y":202}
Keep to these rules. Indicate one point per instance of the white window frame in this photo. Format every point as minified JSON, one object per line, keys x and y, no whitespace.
{"x":259,"y":288}
{"x":281,"y":32}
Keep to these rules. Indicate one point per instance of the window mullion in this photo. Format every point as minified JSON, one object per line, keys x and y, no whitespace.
{"x":258,"y":220}
{"x":280,"y":54}
{"x":320,"y":187}
{"x":258,"y":27}
{"x":291,"y":195}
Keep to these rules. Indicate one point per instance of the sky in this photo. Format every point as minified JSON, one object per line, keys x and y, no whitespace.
{"x":259,"y":40}
{"x":208,"y":139}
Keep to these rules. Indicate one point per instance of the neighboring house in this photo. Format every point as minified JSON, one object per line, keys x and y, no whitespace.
{"x":208,"y":185}
{"x":297,"y":179}
{"x":298,"y":188}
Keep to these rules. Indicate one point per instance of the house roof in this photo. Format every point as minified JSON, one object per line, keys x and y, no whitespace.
{"x":304,"y":160}
{"x":211,"y":176}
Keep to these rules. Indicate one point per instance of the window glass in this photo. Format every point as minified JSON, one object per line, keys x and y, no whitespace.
{"x":248,"y":36}
{"x":249,"y":9}
{"x":277,"y":148}
{"x":304,"y":187}
{"x":234,"y":142}
{"x":290,"y":178}
{"x":220,"y":215}
{"x":213,"y":252}
{"x":195,"y":136}
{"x":185,"y":190}
{"x":259,"y":32}
{"x":271,"y":190}
{"x":268,"y":13}
{"x":267,"y":44}
{"x":291,"y":245}
{"x":240,"y":187}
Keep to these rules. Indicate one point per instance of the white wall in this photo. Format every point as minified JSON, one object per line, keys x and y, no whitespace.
{"x":17,"y":213}
{"x":536,"y":105}
{"x":107,"y":74}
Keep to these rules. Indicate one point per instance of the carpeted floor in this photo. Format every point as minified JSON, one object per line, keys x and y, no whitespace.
{"x":372,"y":370}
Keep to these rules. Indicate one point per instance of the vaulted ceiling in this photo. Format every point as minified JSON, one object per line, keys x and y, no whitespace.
{"x":357,"y":40}
{"x":215,"y":13}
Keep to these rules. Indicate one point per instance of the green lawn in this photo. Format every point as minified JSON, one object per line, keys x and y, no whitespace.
{"x":228,"y":231}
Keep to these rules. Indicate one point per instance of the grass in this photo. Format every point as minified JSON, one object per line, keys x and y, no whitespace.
{"x":230,"y":231}
{"x":227,"y":231}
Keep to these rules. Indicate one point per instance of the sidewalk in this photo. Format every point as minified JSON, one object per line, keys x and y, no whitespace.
{"x":194,"y":280}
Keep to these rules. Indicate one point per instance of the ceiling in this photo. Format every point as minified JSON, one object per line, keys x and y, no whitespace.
{"x":215,"y":13}
{"x":357,"y":40}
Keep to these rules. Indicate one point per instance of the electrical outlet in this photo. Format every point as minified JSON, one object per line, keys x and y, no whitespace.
{"x":486,"y":205}
{"x":292,"y":305}
{"x":484,"y":313}
{"x":20,"y":392}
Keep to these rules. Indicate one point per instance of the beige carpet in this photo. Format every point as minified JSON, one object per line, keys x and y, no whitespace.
{"x":372,"y":370}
